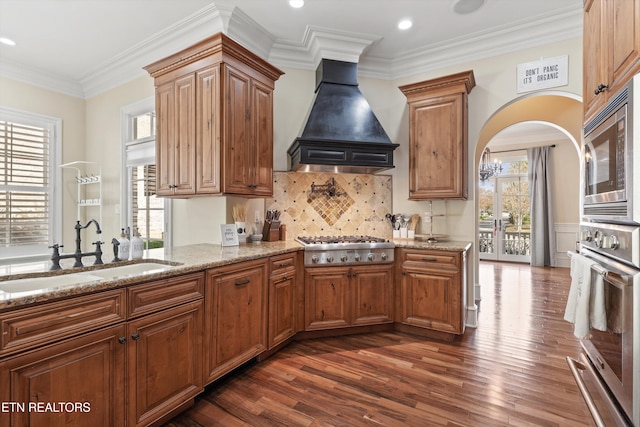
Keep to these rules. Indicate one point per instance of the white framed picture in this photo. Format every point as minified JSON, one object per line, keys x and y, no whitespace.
{"x":229,"y":234}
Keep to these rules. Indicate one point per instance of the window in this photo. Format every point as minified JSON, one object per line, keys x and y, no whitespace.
{"x":143,"y":210}
{"x":29,"y":206}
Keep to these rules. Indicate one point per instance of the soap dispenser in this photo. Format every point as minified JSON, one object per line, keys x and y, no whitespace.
{"x":137,"y":245}
{"x":123,"y":246}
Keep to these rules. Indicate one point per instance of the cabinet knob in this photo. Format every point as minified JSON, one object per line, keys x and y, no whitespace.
{"x":135,"y":336}
{"x":122,"y":340}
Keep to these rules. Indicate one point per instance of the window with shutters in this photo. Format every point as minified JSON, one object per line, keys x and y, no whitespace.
{"x":29,"y":222}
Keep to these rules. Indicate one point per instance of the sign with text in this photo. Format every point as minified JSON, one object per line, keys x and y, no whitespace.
{"x":543,"y":74}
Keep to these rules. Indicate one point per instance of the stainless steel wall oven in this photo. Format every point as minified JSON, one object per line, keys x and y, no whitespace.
{"x":608,"y":371}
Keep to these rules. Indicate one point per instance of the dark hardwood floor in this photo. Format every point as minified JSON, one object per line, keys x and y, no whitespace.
{"x":509,"y":371}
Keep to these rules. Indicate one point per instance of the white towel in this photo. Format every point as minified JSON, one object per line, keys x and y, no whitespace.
{"x":585,"y":306}
{"x":597,"y":310}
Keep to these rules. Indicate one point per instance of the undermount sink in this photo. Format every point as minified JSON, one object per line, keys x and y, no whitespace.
{"x":51,"y":282}
{"x":111,"y":273}
{"x":34,"y":285}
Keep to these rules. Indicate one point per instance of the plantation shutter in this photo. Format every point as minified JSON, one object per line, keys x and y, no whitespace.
{"x":25,"y":184}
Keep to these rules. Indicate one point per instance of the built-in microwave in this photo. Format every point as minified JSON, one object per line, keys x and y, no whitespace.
{"x":609,"y":161}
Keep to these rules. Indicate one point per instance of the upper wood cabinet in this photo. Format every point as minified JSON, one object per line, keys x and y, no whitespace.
{"x":438,"y":137}
{"x":214,"y":120}
{"x":611,"y":46}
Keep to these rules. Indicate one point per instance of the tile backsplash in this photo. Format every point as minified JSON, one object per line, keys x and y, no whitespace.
{"x":341,"y":204}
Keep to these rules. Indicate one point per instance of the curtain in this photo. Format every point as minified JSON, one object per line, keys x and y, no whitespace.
{"x":543,"y":240}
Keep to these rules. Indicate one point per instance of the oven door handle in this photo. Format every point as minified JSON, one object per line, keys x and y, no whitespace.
{"x":606,"y":266}
{"x":574,"y":366}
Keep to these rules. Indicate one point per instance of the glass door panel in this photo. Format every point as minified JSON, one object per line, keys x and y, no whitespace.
{"x":505,"y":226}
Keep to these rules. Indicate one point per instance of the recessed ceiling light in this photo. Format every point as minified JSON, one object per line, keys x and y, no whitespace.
{"x":405,"y":24}
{"x":463,"y":7}
{"x":7,"y":41}
{"x":296,"y":3}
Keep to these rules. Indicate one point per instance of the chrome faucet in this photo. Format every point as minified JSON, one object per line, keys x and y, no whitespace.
{"x":78,"y":254}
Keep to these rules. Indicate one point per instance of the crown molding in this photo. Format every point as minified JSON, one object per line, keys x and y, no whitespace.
{"x":210,"y":20}
{"x":321,"y":43}
{"x":317,"y":43}
{"x":550,"y":29}
{"x":41,"y":78}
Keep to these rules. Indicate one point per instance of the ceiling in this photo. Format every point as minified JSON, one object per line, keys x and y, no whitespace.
{"x":84,"y":47}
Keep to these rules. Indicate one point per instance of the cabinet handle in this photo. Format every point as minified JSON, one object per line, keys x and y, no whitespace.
{"x":429,"y":259}
{"x":135,"y":336}
{"x":601,"y":88}
{"x":243,"y":282}
{"x":173,"y":186}
{"x":404,"y":273}
{"x":284,"y":264}
{"x":284,"y":279}
{"x":122,"y":340}
{"x":333,"y":287}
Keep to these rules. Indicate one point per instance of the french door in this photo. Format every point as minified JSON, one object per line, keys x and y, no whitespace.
{"x":505,"y":226}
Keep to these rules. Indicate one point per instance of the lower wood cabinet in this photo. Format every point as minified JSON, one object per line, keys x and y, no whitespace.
{"x":236,"y":316}
{"x":283,"y":286}
{"x":432,"y":290}
{"x":88,"y":372}
{"x":164,"y":358}
{"x":338,"y":297}
{"x":120,"y":373}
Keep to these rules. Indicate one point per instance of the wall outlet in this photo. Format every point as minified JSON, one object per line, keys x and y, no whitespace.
{"x":256,"y":216}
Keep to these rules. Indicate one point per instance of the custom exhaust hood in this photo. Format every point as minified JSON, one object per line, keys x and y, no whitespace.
{"x":341,"y":134}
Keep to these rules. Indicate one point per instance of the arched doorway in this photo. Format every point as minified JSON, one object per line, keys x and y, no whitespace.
{"x":561,"y":110}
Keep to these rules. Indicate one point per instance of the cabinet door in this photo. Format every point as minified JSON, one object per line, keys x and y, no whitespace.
{"x":281,"y":307}
{"x":261,"y":162}
{"x":86,"y":372}
{"x":431,"y":299}
{"x":371,"y":295}
{"x":184,"y":162}
{"x":437,"y":152}
{"x":165,"y":130}
{"x":326,"y":298}
{"x":164,"y":362}
{"x":237,"y":175}
{"x":625,"y":41}
{"x":208,"y":131}
{"x":237,"y":326}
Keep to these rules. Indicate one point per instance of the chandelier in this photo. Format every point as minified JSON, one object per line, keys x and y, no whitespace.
{"x":488,"y":169}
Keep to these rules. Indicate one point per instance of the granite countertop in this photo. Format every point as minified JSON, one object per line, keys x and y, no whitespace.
{"x":179,"y":260}
{"x":182,"y":259}
{"x":454,"y":246}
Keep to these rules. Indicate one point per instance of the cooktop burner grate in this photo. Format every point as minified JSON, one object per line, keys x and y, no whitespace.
{"x":323,"y":240}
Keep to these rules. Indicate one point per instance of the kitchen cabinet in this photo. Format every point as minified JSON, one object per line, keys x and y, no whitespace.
{"x":236,"y":316}
{"x":283,"y":284}
{"x":338,"y":297}
{"x":133,"y":354}
{"x":214,"y":120}
{"x":164,"y":348}
{"x":611,"y":45}
{"x":87,"y":371}
{"x":432,"y":291}
{"x":438,"y":137}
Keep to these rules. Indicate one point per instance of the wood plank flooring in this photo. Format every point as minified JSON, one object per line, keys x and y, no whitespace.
{"x":510,"y":371}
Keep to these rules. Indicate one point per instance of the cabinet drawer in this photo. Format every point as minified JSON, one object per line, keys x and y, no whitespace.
{"x":432,"y":257}
{"x":33,"y":326}
{"x":281,"y":264}
{"x":155,"y":296}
